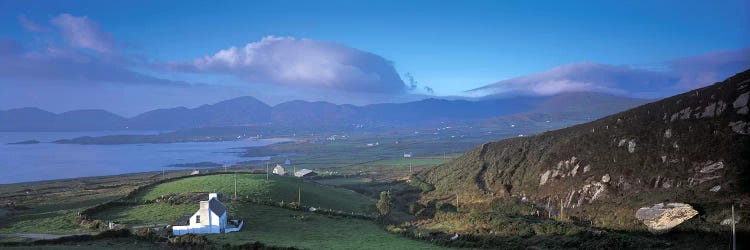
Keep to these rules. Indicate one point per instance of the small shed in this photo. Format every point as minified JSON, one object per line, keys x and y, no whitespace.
{"x":305,"y":173}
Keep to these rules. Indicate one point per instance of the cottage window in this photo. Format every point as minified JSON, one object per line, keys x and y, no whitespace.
{"x":197,"y":219}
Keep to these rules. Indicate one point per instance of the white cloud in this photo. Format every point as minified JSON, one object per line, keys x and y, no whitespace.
{"x":301,"y":63}
{"x":82,"y":32}
{"x":678,"y":75}
{"x":30,"y":25}
{"x":582,"y":77}
{"x":701,"y":70}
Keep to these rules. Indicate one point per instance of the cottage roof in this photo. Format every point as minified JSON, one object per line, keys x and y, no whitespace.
{"x":304,"y":172}
{"x":182,"y":221}
{"x":217,"y":207}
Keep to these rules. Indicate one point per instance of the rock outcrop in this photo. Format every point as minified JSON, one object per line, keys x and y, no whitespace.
{"x":661,"y":218}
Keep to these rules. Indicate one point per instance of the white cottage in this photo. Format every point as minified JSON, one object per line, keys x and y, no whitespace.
{"x":278,"y":170}
{"x":211,"y":218}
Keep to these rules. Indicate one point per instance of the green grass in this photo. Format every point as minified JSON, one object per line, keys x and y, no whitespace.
{"x":278,"y":188}
{"x":275,"y":226}
{"x":109,"y":244}
{"x":282,"y":227}
{"x":14,"y":240}
{"x":57,"y":222}
{"x":413,"y":161}
{"x":344,"y":181}
{"x":147,"y":214}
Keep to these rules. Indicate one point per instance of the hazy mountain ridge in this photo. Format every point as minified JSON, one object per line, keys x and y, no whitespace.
{"x":250,"y":111}
{"x":693,"y":147}
{"x":34,"y":119}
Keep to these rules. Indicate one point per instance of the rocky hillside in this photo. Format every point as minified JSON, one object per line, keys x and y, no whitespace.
{"x":692,"y":148}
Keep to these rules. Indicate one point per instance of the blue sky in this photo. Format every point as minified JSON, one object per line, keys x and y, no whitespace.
{"x":448,"y":46}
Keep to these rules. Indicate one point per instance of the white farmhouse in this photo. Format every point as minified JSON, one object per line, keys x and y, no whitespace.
{"x":278,"y":170}
{"x":211,"y":218}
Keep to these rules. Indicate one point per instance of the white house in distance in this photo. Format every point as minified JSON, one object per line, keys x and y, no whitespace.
{"x":305,"y":173}
{"x":211,"y":218}
{"x":278,"y":170}
{"x":407,"y":155}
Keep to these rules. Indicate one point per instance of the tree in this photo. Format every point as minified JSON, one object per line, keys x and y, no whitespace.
{"x":385,"y":203}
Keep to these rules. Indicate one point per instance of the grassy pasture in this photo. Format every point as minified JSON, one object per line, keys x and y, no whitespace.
{"x":282,"y":227}
{"x":271,"y":225}
{"x":343,"y":181}
{"x":278,"y":188}
{"x":276,"y":227}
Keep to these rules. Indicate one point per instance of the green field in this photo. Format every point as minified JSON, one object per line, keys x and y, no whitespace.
{"x":53,"y":207}
{"x":147,"y":214}
{"x":278,"y":188}
{"x":412,"y":161}
{"x":270,"y":225}
{"x":343,"y":154}
{"x":342,"y":181}
{"x":282,"y":227}
{"x":276,"y":226}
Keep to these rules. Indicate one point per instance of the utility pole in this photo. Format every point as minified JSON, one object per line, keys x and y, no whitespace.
{"x":457,"y":206}
{"x":549,"y":212}
{"x":734,"y":238}
{"x":235,"y":185}
{"x":299,"y":197}
{"x":410,"y":168}
{"x":266,"y":170}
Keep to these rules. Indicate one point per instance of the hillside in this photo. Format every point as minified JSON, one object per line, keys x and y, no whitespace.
{"x":693,"y":147}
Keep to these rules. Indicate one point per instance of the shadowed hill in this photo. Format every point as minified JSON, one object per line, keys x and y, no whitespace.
{"x":693,"y":147}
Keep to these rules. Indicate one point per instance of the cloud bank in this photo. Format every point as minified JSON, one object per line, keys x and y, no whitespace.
{"x":78,"y":60}
{"x":88,"y":57}
{"x":678,"y":75}
{"x":30,"y":25}
{"x":701,"y":70}
{"x":81,"y":32}
{"x":295,"y":62}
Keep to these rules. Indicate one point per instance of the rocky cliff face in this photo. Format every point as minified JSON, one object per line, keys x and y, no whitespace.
{"x":693,"y":148}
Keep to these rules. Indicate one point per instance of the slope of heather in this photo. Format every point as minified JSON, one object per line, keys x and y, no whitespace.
{"x":693,"y":147}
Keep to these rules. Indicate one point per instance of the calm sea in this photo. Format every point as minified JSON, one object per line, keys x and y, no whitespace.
{"x":48,"y":161}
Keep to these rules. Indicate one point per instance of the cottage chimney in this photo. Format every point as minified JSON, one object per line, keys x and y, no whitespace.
{"x":213,"y":195}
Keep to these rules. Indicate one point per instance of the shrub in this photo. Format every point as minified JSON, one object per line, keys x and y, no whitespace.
{"x":189,"y":240}
{"x":385,"y":203}
{"x":556,"y":228}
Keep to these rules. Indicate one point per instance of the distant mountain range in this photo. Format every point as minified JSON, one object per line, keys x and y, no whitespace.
{"x":248,"y":111}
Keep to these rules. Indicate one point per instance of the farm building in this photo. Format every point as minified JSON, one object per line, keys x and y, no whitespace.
{"x":305,"y":173}
{"x":211,"y":218}
{"x":407,"y":155}
{"x":278,"y":170}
